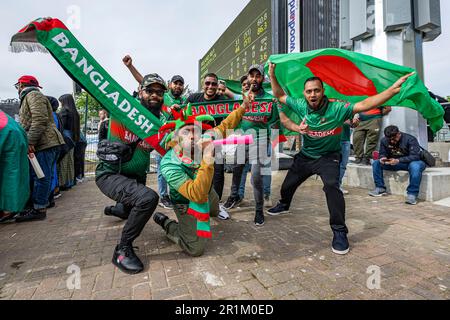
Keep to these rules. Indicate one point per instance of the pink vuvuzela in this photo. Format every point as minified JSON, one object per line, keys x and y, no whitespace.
{"x":235,"y":141}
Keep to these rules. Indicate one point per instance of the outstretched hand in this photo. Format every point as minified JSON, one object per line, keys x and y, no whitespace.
{"x":396,"y":87}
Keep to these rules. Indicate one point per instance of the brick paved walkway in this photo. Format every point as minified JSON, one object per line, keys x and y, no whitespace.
{"x":288,"y":258}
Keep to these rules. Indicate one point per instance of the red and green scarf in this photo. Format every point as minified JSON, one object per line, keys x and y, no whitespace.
{"x":51,"y":35}
{"x":200,"y":211}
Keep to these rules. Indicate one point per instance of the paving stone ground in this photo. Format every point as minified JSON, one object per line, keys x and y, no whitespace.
{"x":288,"y":258}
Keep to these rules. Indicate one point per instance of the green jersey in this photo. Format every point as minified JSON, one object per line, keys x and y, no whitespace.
{"x":346,"y":133}
{"x":325,"y":125}
{"x":176,"y":174}
{"x":137,"y":167}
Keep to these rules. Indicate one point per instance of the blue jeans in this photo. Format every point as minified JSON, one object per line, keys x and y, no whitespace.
{"x":415,"y":169}
{"x":345,"y":153}
{"x":267,"y":179}
{"x":162,"y":184}
{"x":42,"y":187}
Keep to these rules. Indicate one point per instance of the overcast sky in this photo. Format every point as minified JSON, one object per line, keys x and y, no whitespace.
{"x":167,"y":37}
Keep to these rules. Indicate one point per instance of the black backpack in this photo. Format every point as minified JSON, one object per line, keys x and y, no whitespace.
{"x":427,"y":157}
{"x":116,"y":153}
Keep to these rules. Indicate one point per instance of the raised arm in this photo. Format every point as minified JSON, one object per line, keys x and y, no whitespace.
{"x":278,"y":92}
{"x":380,"y":99}
{"x":235,"y":118}
{"x":229,"y":94}
{"x":128,"y":62}
{"x":288,"y":123}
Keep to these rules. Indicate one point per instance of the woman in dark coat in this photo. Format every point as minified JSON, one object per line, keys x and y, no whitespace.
{"x":71,"y":129}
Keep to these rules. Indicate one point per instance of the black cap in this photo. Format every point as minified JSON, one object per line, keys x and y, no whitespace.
{"x":258,"y":67}
{"x":177,"y":78}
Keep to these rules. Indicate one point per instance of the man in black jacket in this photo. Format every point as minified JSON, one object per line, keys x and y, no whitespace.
{"x":399,"y":152}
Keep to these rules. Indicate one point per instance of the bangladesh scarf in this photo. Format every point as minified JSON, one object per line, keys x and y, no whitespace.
{"x":200,"y":211}
{"x":52,"y":36}
{"x":353,"y":77}
{"x":221,"y":109}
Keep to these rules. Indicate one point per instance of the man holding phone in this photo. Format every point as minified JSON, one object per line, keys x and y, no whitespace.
{"x":399,"y":152}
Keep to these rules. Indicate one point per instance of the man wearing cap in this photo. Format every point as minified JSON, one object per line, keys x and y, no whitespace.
{"x":190,"y":179}
{"x":44,"y":141}
{"x":126,"y":184}
{"x":173,"y":98}
{"x":256,"y":154}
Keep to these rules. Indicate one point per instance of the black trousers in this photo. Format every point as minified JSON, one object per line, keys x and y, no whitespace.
{"x":219,"y":172}
{"x":219,"y":179}
{"x":327,"y":167}
{"x":139,"y":201}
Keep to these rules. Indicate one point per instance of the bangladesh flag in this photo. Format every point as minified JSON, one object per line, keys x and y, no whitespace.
{"x":51,"y":35}
{"x":353,"y":77}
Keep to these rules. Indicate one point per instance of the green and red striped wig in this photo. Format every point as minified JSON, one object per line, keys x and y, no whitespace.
{"x":182,"y":119}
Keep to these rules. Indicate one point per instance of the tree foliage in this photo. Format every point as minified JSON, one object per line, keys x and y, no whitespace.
{"x":93,"y":105}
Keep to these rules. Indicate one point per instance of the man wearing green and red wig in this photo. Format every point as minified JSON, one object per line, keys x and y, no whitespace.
{"x":189,"y":170}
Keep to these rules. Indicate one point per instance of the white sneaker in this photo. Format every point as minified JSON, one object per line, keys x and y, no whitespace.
{"x":223,"y":214}
{"x":345,"y":192}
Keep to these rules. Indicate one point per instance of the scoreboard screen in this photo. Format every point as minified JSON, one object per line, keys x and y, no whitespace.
{"x":247,"y":41}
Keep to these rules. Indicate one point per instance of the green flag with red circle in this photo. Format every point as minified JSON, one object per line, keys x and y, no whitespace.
{"x":353,"y":77}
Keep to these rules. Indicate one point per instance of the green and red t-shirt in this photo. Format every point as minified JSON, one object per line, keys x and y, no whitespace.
{"x":169,"y":101}
{"x":372,"y":114}
{"x":137,"y":167}
{"x":325,"y":125}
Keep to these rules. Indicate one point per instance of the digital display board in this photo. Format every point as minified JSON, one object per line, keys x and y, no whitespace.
{"x":246,"y":42}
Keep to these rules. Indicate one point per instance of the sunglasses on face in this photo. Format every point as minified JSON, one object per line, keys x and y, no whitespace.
{"x":151,"y":91}
{"x":212,"y":84}
{"x":17,"y":86}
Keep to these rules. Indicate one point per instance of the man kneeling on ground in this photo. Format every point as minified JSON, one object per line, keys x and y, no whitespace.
{"x":190,"y":183}
{"x":126,"y":183}
{"x":399,"y":152}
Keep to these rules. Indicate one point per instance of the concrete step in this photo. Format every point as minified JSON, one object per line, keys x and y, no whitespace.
{"x":444,"y":202}
{"x":435,"y":183}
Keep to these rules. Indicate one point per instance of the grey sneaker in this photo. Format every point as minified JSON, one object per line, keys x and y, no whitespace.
{"x":268,"y":201}
{"x":378,"y":192}
{"x":411,"y":199}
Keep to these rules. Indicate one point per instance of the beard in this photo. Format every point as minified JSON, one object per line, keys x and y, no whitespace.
{"x":153,"y":106}
{"x":255,"y":87}
{"x":177,"y":93}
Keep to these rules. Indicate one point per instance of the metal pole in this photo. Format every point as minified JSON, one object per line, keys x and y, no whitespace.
{"x":86,"y":114}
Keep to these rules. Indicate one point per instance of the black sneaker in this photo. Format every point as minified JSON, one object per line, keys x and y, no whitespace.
{"x":231,"y":203}
{"x":117,"y":211}
{"x":6,"y":217}
{"x":340,"y":243}
{"x":31,"y":215}
{"x":126,"y":260}
{"x":51,"y":205}
{"x":259,"y":219}
{"x":160,"y":218}
{"x":278,"y":209}
{"x":238,"y":202}
{"x":166,"y":203}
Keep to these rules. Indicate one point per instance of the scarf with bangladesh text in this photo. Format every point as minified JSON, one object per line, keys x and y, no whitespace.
{"x":52,"y":36}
